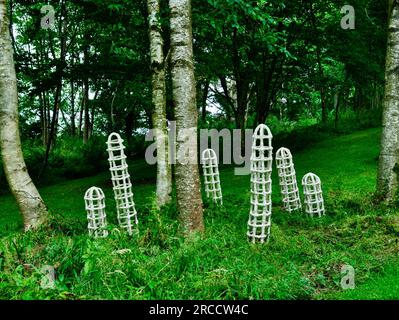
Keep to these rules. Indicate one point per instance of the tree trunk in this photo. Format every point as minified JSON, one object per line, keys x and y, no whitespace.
{"x":93,"y":113}
{"x":264,"y":92}
{"x":81,"y":113}
{"x":43,"y":113}
{"x":73,"y":113}
{"x":189,"y":202}
{"x":30,"y":203}
{"x":86,"y":126}
{"x":164,"y":170}
{"x":54,"y":125}
{"x":389,"y":158}
{"x":324,"y":114}
{"x":129,"y":125}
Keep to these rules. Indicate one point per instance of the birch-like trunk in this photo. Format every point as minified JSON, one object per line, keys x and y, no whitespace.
{"x":164,"y":170}
{"x":30,"y":203}
{"x":189,"y":202}
{"x":86,"y":126}
{"x":389,"y":158}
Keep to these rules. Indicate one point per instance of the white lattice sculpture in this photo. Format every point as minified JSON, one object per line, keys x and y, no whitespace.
{"x":314,"y":202}
{"x":259,"y":221}
{"x":211,"y":176}
{"x":95,"y":208}
{"x":287,"y":180}
{"x":122,"y":186}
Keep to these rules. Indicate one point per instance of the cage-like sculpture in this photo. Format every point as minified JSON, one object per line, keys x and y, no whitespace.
{"x":95,"y":208}
{"x":211,"y":176}
{"x":259,"y":221}
{"x":314,"y":202}
{"x":287,"y":180}
{"x":122,"y":186}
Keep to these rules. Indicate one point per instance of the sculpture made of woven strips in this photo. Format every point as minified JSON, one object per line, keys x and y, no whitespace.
{"x":122,"y":186}
{"x":287,"y":179}
{"x":95,"y":208}
{"x":211,"y":176}
{"x":259,"y":221}
{"x":314,"y":202}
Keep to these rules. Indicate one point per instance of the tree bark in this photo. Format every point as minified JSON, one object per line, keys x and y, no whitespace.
{"x":337,"y":101}
{"x":324,"y":114}
{"x":389,"y":158}
{"x":81,"y":113}
{"x":73,"y":113}
{"x":189,"y":202}
{"x":164,"y":170}
{"x":30,"y":203}
{"x":86,"y":126}
{"x":93,"y":113}
{"x":264,"y":92}
{"x":54,"y":124}
{"x":43,"y":113}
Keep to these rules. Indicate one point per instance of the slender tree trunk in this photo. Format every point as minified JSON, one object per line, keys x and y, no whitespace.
{"x":189,"y":202}
{"x":42,"y":114}
{"x":129,"y":125}
{"x":264,"y":92}
{"x":81,"y":113}
{"x":93,"y":114}
{"x":389,"y":158}
{"x":30,"y":203}
{"x":46,"y":118}
{"x":324,"y":115}
{"x":112,"y":111}
{"x":86,"y":126}
{"x":54,"y":124}
{"x":73,"y":113}
{"x":164,"y":170}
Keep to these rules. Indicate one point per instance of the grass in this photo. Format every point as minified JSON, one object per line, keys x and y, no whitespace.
{"x":302,"y":260}
{"x":382,"y":286}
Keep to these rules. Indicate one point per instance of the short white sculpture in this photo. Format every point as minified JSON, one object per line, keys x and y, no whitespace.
{"x":122,"y":186}
{"x":259,"y":221}
{"x":95,"y":208}
{"x":211,"y":176}
{"x":314,"y":202}
{"x":287,"y":179}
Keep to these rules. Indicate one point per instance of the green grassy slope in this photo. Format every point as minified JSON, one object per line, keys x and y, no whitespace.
{"x":302,"y":260}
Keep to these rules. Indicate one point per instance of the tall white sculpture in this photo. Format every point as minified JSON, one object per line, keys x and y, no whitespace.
{"x":95,"y":208}
{"x":314,"y":202}
{"x":287,"y":179}
{"x":211,"y":176}
{"x":259,"y":221}
{"x":122,"y":186}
